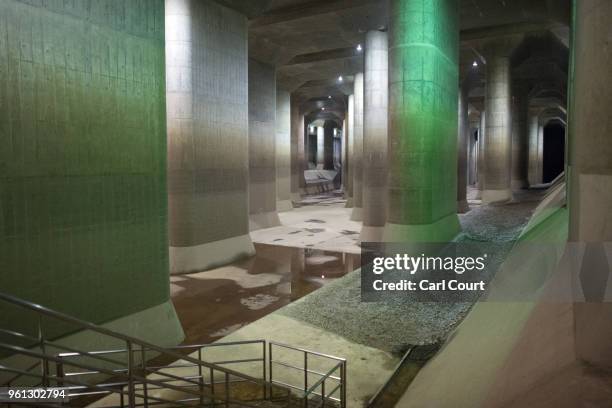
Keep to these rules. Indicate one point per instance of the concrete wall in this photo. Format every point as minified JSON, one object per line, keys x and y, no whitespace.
{"x":207,"y":108}
{"x":283,"y":151}
{"x":262,"y":146}
{"x":83,"y":160}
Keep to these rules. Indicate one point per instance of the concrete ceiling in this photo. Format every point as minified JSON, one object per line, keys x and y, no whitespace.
{"x":312,"y":42}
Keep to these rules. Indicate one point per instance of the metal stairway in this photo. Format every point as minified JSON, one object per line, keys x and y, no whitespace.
{"x":135,"y":373}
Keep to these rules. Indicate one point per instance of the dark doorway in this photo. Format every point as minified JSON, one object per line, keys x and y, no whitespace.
{"x":554,"y":151}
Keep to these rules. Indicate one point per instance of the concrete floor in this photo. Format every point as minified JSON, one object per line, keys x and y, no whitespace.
{"x":318,"y":222}
{"x":293,"y":292}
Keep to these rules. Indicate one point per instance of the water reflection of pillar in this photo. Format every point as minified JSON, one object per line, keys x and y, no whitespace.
{"x":298,"y":265}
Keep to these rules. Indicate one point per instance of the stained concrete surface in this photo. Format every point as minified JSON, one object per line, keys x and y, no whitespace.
{"x":318,"y":222}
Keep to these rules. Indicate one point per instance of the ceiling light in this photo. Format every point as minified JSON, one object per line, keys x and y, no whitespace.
{"x":340,"y":79}
{"x":475,"y":64}
{"x":323,"y":108}
{"x":329,"y":97}
{"x":359,"y":47}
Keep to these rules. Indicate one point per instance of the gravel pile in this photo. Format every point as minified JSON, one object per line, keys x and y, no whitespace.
{"x":395,"y":323}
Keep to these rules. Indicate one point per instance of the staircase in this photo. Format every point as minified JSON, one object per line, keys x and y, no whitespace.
{"x":138,"y":374}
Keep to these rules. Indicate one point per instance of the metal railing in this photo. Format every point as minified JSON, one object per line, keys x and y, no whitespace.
{"x":336,"y":374}
{"x":131,"y":376}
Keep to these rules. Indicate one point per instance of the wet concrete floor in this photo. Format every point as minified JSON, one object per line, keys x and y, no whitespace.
{"x":213,"y":304}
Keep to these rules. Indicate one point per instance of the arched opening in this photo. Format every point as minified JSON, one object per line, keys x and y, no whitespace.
{"x":553,"y":160}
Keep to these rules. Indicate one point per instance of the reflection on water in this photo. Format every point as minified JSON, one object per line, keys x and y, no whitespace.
{"x":214,"y":303}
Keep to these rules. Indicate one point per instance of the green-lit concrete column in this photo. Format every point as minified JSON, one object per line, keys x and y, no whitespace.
{"x":498,"y":110}
{"x":320,"y":147}
{"x":83,"y":193}
{"x":298,"y":153}
{"x":375,"y":104}
{"x":350,"y":151}
{"x":462,"y":151}
{"x":423,"y":92}
{"x":283,"y":151}
{"x":590,"y":171}
{"x":357,"y":214}
{"x":262,"y":146}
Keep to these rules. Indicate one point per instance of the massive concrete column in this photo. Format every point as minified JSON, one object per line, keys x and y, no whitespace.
{"x":298,"y":153}
{"x":423,"y":78}
{"x":376,"y":96}
{"x":350,"y":153}
{"x":590,"y":170}
{"x":328,"y":145}
{"x":357,"y":214}
{"x":520,"y":143}
{"x":534,"y":172}
{"x":320,"y":147}
{"x":83,"y":197}
{"x":480,"y":163}
{"x":207,"y":105}
{"x":498,"y":105}
{"x":262,"y":146}
{"x":462,"y":151}
{"x":283,"y":151}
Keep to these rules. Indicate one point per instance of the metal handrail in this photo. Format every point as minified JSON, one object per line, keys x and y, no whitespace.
{"x":306,"y":390}
{"x":82,"y":324}
{"x":134,"y":382}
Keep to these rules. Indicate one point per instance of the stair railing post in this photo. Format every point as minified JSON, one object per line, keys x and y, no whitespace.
{"x":263,"y":364}
{"x":305,"y":378}
{"x":130,"y":369}
{"x":144,"y":375}
{"x":200,"y":376}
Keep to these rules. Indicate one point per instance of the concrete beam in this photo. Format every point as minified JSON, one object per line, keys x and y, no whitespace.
{"x":305,"y":10}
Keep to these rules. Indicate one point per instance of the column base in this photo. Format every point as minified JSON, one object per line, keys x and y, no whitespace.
{"x":519,"y":184}
{"x":357,"y":214}
{"x":496,"y":196}
{"x":210,"y":255}
{"x":443,"y":230}
{"x":462,"y":207}
{"x":296,"y":197}
{"x":349,"y":202}
{"x":371,"y":234}
{"x":263,"y":220}
{"x":284,"y":205}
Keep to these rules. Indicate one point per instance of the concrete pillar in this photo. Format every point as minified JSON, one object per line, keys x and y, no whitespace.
{"x":473,"y":136}
{"x":207,"y":109}
{"x":298,"y":153}
{"x":262,"y":146}
{"x":520,"y":142}
{"x":350,"y":153}
{"x":462,"y":151}
{"x":283,"y":151}
{"x":423,"y":78}
{"x":590,"y":170}
{"x":328,"y":145}
{"x":534,"y":173}
{"x":320,"y":147}
{"x":498,"y":105}
{"x":376,"y":96}
{"x":480,"y":163}
{"x":357,"y":214}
